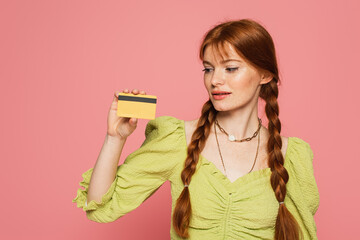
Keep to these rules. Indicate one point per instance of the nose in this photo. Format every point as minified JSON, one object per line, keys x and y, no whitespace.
{"x":217,"y":78}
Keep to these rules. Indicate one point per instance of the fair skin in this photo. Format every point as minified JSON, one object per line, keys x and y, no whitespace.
{"x":238,"y":113}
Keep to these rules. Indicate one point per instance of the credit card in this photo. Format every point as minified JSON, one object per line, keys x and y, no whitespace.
{"x":136,"y":106}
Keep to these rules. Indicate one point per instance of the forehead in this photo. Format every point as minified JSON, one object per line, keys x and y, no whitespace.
{"x":215,"y":53}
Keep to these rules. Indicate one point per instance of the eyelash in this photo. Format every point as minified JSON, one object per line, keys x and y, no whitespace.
{"x":205,"y":70}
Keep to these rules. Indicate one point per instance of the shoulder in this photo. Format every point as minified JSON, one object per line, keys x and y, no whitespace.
{"x":163,"y":123}
{"x":299,"y":159}
{"x":299,"y":162}
{"x":300,"y":148}
{"x":164,"y":126}
{"x":284,"y":139}
{"x":190,"y":127}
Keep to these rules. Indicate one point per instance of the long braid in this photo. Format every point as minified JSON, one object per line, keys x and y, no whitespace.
{"x":182,"y":212}
{"x":286,"y":227}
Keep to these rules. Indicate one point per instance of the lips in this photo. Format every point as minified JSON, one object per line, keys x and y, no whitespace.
{"x":220,"y":93}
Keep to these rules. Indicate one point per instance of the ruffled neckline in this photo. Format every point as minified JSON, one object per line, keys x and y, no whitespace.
{"x":264,"y":172}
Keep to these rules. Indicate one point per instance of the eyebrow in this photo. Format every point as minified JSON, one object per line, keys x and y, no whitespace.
{"x":224,"y":61}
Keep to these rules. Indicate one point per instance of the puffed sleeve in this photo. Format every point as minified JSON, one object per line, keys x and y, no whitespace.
{"x":141,"y":174}
{"x":302,"y":186}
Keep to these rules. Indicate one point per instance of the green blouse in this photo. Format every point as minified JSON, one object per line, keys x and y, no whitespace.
{"x":221,"y":209}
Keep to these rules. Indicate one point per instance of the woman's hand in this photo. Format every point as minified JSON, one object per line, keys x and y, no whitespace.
{"x":120,"y":127}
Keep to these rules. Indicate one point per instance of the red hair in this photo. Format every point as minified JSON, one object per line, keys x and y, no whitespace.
{"x":254,"y":44}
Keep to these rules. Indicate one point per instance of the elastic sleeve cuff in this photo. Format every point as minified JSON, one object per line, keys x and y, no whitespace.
{"x":81,"y":198}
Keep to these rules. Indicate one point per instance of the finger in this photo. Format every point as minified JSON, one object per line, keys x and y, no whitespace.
{"x":142,"y":92}
{"x":133,"y":121}
{"x":126,"y":90}
{"x":135,"y":91}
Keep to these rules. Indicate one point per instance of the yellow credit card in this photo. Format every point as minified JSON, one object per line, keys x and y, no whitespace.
{"x":136,"y":105}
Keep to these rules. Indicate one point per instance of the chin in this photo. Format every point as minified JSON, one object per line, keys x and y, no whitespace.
{"x":220,"y":107}
{"x":225,"y":107}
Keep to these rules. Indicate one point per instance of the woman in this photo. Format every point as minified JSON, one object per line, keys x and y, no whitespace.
{"x":231,"y":178}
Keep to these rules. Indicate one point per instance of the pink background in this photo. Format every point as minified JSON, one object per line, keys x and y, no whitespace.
{"x":61,"y":61}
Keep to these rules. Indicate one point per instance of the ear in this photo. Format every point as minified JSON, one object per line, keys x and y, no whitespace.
{"x":266,"y":77}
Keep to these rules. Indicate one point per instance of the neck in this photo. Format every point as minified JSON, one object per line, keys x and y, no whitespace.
{"x":241,"y":123}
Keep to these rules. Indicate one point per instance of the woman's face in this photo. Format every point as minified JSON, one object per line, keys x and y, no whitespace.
{"x":232,"y":75}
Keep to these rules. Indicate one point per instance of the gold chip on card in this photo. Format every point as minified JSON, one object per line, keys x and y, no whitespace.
{"x":136,"y":105}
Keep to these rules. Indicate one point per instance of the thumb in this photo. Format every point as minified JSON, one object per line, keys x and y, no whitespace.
{"x":115,"y":98}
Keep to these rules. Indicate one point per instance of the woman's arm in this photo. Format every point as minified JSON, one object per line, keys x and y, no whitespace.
{"x":135,"y":180}
{"x":105,"y":167}
{"x":118,"y":129}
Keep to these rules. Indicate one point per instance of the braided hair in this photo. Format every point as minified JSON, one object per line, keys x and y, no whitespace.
{"x":253,"y":43}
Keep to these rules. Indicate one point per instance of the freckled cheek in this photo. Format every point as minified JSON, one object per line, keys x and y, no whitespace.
{"x":207,"y":83}
{"x":241,"y":84}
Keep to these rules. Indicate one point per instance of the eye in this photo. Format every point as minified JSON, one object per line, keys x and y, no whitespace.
{"x":206,"y":70}
{"x":232,"y":69}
